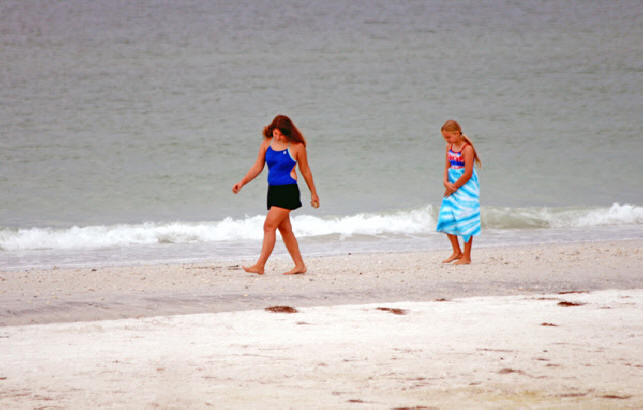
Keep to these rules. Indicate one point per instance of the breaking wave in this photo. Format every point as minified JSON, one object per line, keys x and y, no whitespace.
{"x":411,"y":222}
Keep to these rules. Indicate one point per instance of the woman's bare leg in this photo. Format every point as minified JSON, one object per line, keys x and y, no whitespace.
{"x":274,"y":218}
{"x":457,"y":253}
{"x":285,"y":229}
{"x":466,"y":258}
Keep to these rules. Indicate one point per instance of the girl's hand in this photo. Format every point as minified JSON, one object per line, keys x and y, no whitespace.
{"x":450,"y":189}
{"x":237,"y":187}
{"x":314,"y":202}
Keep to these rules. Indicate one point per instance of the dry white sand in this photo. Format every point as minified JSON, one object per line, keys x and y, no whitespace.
{"x":490,"y":344}
{"x":484,"y":352}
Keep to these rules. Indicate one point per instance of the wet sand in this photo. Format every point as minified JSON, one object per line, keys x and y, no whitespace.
{"x":69,"y":295}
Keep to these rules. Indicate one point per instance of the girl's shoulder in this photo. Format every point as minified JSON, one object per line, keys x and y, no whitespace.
{"x":466,"y":148}
{"x":462,"y":149}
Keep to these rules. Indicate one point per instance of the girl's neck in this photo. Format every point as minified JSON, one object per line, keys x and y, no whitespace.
{"x":457,"y":146}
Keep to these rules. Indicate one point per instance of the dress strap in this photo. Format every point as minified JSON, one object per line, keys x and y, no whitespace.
{"x":461,"y":148}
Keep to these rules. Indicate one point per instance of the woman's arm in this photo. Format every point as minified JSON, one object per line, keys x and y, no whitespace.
{"x":255,"y":169}
{"x":302,"y":160}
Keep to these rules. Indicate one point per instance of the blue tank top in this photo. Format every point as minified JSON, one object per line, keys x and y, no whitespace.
{"x":280,"y":164}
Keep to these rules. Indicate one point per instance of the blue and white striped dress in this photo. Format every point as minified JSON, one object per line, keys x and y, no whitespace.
{"x":460,"y":212}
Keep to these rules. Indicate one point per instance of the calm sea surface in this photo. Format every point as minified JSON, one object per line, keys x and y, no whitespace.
{"x":124,"y":124}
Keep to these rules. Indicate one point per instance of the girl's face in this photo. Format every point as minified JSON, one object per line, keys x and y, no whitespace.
{"x":278,"y":136}
{"x":451,"y":137}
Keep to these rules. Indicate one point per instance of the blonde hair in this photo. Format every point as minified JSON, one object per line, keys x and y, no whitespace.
{"x":453,"y":126}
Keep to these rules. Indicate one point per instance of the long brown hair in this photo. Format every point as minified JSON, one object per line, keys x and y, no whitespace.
{"x":453,"y":126}
{"x":286,"y":127}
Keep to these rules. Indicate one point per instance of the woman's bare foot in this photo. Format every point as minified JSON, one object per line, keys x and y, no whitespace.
{"x":297,"y":270}
{"x":254,"y":269}
{"x":453,"y":257}
{"x":463,"y":261}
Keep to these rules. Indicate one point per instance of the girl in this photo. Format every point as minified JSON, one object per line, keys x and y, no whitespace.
{"x":460,"y":210}
{"x":282,"y":148}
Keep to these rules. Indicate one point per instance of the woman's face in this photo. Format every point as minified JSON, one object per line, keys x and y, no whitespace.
{"x":451,"y":137}
{"x":278,"y":136}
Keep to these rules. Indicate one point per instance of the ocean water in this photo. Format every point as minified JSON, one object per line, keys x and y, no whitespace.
{"x":124,"y":124}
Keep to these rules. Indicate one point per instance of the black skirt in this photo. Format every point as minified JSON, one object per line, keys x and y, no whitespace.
{"x":284,"y":196}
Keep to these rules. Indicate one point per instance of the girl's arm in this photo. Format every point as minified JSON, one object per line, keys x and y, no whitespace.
{"x":447,"y":164}
{"x":450,"y":188}
{"x":468,"y":167}
{"x":302,"y":160}
{"x":255,"y":169}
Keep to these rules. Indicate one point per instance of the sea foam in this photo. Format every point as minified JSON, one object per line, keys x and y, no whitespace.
{"x":419,"y":221}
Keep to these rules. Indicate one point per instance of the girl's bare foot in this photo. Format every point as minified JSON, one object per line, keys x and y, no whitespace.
{"x":463,"y":261}
{"x":254,"y":269}
{"x":297,"y":270}
{"x":453,"y":257}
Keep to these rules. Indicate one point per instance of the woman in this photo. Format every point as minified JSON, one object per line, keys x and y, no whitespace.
{"x":282,"y":148}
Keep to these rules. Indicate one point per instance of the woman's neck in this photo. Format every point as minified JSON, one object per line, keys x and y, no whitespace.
{"x":279,"y":145}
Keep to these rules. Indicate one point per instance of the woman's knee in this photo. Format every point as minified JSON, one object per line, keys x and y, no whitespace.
{"x":274,"y":220}
{"x":285,"y":226}
{"x":272,"y":223}
{"x":285,"y":229}
{"x":270,"y":226}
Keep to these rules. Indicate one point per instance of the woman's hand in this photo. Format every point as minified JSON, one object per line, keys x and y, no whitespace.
{"x":314,"y":201}
{"x":255,"y":169}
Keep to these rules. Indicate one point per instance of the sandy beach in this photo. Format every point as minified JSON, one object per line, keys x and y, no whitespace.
{"x":96,"y":293}
{"x":541,"y":326}
{"x":128,"y":129}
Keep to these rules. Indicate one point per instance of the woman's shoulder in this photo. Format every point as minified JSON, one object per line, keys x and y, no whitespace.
{"x":297,"y":150}
{"x":297,"y":146}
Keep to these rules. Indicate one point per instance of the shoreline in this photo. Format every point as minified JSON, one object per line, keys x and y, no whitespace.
{"x":115,"y":292}
{"x":335,"y":245}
